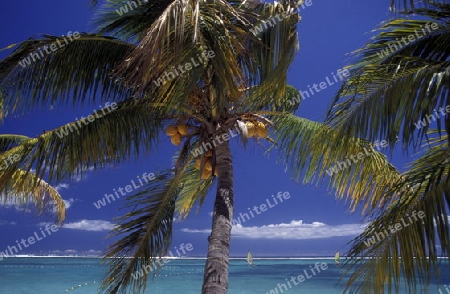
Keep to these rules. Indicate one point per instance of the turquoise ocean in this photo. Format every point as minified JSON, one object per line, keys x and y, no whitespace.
{"x":48,"y":275}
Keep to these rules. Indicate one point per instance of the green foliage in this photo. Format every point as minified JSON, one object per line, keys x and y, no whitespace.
{"x":391,"y":88}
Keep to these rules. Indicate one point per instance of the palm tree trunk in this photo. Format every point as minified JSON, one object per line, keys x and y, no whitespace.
{"x":215,"y":280}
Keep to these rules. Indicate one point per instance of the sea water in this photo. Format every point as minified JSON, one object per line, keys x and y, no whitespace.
{"x":50,"y":275}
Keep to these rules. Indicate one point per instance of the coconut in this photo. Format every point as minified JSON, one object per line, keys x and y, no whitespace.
{"x":261,"y":130}
{"x":250,"y":129}
{"x":208,"y":165}
{"x":171,"y":130}
{"x":205,"y":174}
{"x":176,"y":139}
{"x":198,"y":161}
{"x":183,"y":130}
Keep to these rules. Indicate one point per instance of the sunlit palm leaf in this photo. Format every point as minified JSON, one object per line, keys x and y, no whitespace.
{"x":315,"y":148}
{"x":420,"y":242}
{"x":26,"y":190}
{"x":193,"y":191}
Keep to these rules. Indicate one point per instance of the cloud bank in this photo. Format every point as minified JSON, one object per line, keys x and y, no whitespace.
{"x":295,"y":230}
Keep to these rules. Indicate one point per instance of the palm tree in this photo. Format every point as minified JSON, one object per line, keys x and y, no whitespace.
{"x":240,"y":88}
{"x":397,"y":90}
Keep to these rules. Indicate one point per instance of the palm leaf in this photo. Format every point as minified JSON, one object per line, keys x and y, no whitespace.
{"x":289,"y":102}
{"x":385,"y":96}
{"x":24,"y":188}
{"x":316,"y":148}
{"x":192,"y":191}
{"x":273,"y":52}
{"x":411,"y":6}
{"x":149,"y":234}
{"x":112,"y":19}
{"x":74,"y":73}
{"x":8,"y":141}
{"x":417,"y":243}
{"x":113,"y":136}
{"x":183,"y":30}
{"x":149,"y":225}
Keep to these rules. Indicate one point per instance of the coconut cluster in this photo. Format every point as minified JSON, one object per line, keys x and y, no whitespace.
{"x":256,"y":128}
{"x":176,"y":133}
{"x":207,"y":170}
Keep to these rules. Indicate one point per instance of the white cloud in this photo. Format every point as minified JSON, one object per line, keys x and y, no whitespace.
{"x":94,"y":252}
{"x":68,"y":202}
{"x":13,"y":202}
{"x":295,"y":230}
{"x":73,"y":252}
{"x":90,"y":225}
{"x":82,"y":173}
{"x":61,"y":186}
{"x":70,"y":251}
{"x":7,"y":223}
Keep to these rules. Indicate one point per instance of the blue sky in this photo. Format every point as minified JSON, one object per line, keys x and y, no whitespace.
{"x":310,"y":222}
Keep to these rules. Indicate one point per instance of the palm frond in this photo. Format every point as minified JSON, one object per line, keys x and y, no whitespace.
{"x":8,"y":141}
{"x":26,"y":190}
{"x":148,"y":230}
{"x":411,"y":6}
{"x":274,"y":48}
{"x":183,"y":32}
{"x":107,"y":137}
{"x":127,"y":21}
{"x":94,"y":3}
{"x":357,"y":171}
{"x":192,"y":191}
{"x":392,"y":86}
{"x":413,"y":250}
{"x":289,"y":102}
{"x":77,"y":71}
{"x":2,"y":110}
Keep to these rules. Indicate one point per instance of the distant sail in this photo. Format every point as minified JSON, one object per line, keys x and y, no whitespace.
{"x":249,"y":258}
{"x":337,"y":257}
